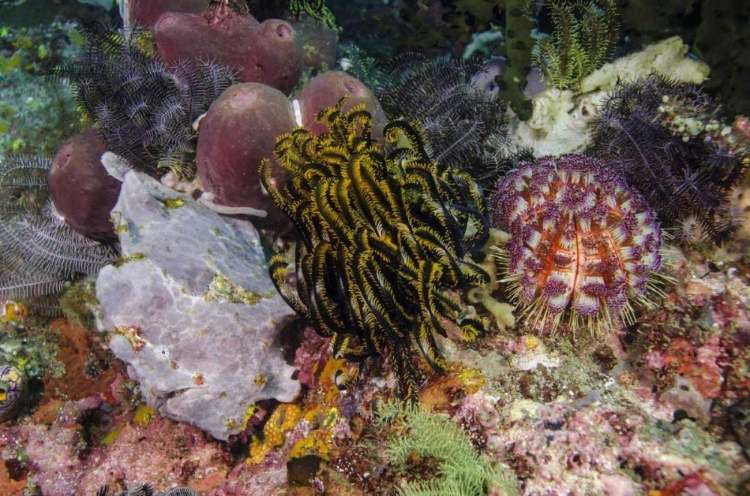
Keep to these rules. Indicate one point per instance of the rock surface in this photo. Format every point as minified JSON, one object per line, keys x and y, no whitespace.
{"x":192,"y":310}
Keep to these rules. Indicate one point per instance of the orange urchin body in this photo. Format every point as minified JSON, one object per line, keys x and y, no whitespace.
{"x":582,"y":242}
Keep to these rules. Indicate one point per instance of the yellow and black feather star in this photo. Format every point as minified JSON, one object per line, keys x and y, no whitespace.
{"x":385,"y":234}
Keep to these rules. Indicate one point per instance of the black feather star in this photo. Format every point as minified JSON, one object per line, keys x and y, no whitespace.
{"x":465,"y":127}
{"x":145,"y":108}
{"x":654,"y":132}
{"x":38,"y":251}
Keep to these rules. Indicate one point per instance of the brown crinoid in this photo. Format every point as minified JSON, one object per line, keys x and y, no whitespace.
{"x":383,"y":234}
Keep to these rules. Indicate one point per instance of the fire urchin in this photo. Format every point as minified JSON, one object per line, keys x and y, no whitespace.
{"x":583,"y":244}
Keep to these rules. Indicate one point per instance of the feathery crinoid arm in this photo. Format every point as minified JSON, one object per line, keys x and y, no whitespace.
{"x":144,"y":107}
{"x":683,"y":170}
{"x":38,"y":251}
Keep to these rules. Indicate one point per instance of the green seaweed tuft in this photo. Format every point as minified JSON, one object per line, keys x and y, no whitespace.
{"x":316,"y":9}
{"x":584,"y":36}
{"x":436,"y":438}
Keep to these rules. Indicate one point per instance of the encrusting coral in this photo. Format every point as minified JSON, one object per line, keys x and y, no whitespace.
{"x":383,"y":234}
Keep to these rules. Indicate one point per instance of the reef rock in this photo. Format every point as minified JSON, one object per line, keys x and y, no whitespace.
{"x":192,"y":309}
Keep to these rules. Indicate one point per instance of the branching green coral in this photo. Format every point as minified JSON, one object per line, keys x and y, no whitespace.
{"x":585,"y":35}
{"x":432,"y":436}
{"x":316,"y":9}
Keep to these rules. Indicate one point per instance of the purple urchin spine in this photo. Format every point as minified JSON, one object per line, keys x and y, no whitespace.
{"x":583,"y":243}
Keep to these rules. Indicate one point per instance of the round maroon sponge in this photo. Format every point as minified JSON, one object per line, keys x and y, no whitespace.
{"x":325,"y":90}
{"x":240,"y":129}
{"x":269,"y":52}
{"x":146,"y":12}
{"x":82,"y":190}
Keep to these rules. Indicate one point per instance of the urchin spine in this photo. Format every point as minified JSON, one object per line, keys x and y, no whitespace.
{"x":582,"y":242}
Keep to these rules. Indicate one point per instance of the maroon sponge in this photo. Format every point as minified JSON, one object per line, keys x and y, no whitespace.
{"x":240,"y":129}
{"x":326,"y":89}
{"x":146,"y":12}
{"x":269,"y":52}
{"x":81,"y":188}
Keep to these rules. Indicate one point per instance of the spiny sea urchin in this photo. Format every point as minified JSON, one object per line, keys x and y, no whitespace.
{"x":582,"y":242}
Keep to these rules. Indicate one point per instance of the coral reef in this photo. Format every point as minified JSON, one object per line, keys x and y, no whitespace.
{"x":35,"y":116}
{"x":464,"y":126}
{"x":269,"y":52}
{"x":85,"y":367}
{"x":583,"y":38}
{"x":13,"y":390}
{"x":39,"y":252}
{"x":62,"y":453}
{"x":147,"y":12}
{"x":725,"y":53}
{"x":146,"y":490}
{"x":432,"y":438}
{"x":582,"y":245}
{"x":240,"y":129}
{"x":562,"y":120}
{"x":81,"y":189}
{"x":601,"y":449}
{"x":518,"y":51}
{"x":393,"y":253}
{"x":315,"y":9}
{"x":325,"y":90}
{"x":319,"y":44}
{"x":381,"y":237}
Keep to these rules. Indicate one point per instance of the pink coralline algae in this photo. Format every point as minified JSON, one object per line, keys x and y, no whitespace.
{"x":583,"y":243}
{"x":612,"y":447}
{"x":63,"y":457}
